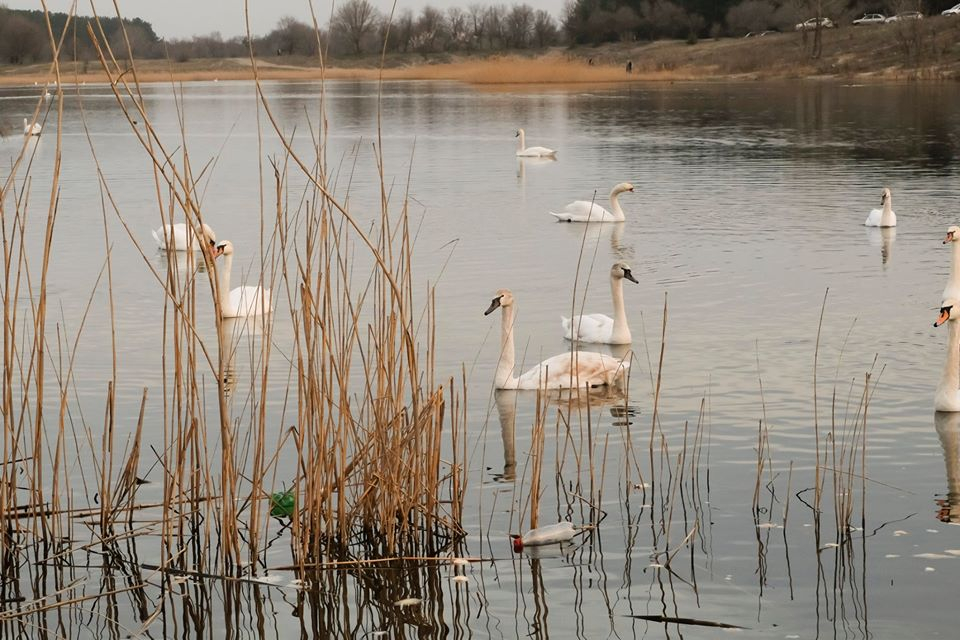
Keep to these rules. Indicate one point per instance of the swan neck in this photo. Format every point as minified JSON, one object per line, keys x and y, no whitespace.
{"x":504,"y":375}
{"x":886,"y":218}
{"x":523,"y":141}
{"x":950,"y":379}
{"x":621,"y":330}
{"x":224,"y":284}
{"x":955,"y":262}
{"x":615,"y":205}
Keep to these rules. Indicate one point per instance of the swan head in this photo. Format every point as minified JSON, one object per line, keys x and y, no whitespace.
{"x":953,"y":234}
{"x":208,"y":234}
{"x":622,"y":187}
{"x":518,"y":133}
{"x":224,"y":248}
{"x":947,"y":311}
{"x":504,"y":298}
{"x":622,"y":270}
{"x":885,"y":196}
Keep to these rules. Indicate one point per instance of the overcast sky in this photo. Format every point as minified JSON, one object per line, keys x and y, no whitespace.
{"x":185,"y":18}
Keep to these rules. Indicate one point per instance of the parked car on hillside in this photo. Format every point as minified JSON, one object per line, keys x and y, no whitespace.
{"x":870,"y":18}
{"x":952,"y":11}
{"x":811,"y":24}
{"x":906,"y":15}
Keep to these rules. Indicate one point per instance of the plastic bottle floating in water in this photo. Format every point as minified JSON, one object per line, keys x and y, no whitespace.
{"x":550,"y":534}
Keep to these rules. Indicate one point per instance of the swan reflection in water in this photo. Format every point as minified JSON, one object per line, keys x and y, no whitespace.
{"x":884,"y":239}
{"x":507,"y":400}
{"x":234,"y":334}
{"x":948,"y":430}
{"x":523,"y":163}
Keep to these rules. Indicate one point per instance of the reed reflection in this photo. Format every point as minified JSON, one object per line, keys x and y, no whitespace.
{"x":948,"y":430}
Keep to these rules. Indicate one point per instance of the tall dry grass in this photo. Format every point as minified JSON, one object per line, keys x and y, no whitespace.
{"x":376,"y":433}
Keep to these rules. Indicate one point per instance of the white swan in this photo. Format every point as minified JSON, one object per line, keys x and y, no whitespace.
{"x":31,"y":129}
{"x":242,"y":301}
{"x":948,"y":391}
{"x":884,"y":217}
{"x":584,"y":211}
{"x":596,"y":327}
{"x":174,"y":237}
{"x":952,"y":290}
{"x":531,"y":152}
{"x":577,"y":369}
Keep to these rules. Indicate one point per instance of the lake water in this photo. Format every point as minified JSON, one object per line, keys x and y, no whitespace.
{"x":748,"y":210}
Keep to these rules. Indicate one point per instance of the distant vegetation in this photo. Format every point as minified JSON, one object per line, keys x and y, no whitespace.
{"x":358,"y":28}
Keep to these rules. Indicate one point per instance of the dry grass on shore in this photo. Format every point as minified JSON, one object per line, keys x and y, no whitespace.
{"x":916,"y":50}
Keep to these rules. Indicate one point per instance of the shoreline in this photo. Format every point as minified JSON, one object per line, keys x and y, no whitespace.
{"x":873,"y":54}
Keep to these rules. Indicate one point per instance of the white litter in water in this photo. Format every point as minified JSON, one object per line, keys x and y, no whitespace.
{"x":298,"y":584}
{"x":791,"y":637}
{"x":274,"y":579}
{"x":932,"y":556}
{"x":407,"y":602}
{"x":654,"y":565}
{"x":728,"y":577}
{"x":900,"y":532}
{"x":892,"y":555}
{"x":929,"y":569}
{"x":641,"y":485}
{"x":932,"y":531}
{"x":459,"y":562}
{"x":830,"y":545}
{"x":953,"y":552}
{"x":461,"y":579}
{"x":808,"y":525}
{"x":769,"y":525}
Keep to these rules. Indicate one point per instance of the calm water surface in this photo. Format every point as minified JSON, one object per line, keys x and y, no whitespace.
{"x":748,"y":208}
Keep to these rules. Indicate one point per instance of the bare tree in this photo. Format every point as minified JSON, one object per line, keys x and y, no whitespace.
{"x":429,"y":30}
{"x":493,"y":20}
{"x":355,"y":19}
{"x":545,"y":31}
{"x":519,"y":26}
{"x":457,"y":28}
{"x":20,"y":39}
{"x":476,"y":18}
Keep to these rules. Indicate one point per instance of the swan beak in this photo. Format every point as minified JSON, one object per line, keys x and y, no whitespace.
{"x":944,"y":316}
{"x":629,"y":276}
{"x":492,"y":307}
{"x":949,"y":237}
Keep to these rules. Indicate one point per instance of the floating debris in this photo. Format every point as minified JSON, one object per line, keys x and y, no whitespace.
{"x":932,"y":531}
{"x":460,"y":579}
{"x":900,"y":532}
{"x":283,"y":504}
{"x":892,"y":555}
{"x":459,"y":562}
{"x":769,"y":525}
{"x":691,"y":621}
{"x":929,"y":569}
{"x":932,"y":556}
{"x":407,"y":602}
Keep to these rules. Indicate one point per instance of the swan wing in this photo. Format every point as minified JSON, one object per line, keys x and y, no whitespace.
{"x":536,"y":152}
{"x":594,"y":327}
{"x":250,"y":301}
{"x":584,"y":211}
{"x":580,"y":368}
{"x":873,"y":220}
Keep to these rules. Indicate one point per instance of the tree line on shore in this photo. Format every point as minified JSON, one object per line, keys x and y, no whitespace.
{"x":358,"y":28}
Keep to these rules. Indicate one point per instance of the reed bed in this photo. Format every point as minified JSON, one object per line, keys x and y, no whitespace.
{"x":376,"y":435}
